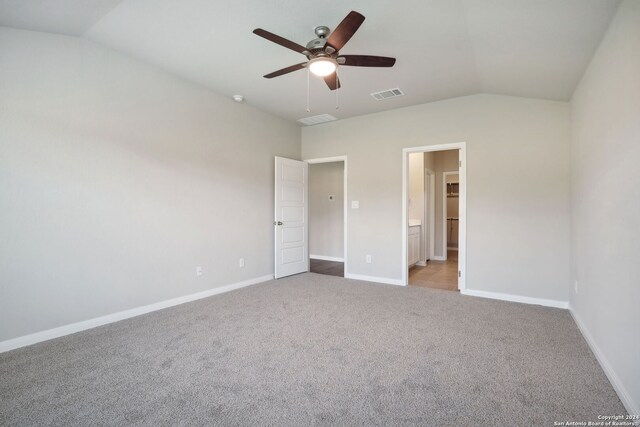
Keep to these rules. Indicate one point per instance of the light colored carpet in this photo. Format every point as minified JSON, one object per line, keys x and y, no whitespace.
{"x":314,"y":349}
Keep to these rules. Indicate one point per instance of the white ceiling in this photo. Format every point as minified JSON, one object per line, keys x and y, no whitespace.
{"x":444,"y":48}
{"x":70,"y":17}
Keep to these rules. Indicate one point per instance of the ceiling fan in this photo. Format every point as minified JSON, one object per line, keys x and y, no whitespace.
{"x":323,"y":53}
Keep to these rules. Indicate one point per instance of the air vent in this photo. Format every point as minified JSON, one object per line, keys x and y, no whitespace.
{"x":386,"y":94}
{"x":314,"y":120}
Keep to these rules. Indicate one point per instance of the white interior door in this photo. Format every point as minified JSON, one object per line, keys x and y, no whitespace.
{"x":290,"y":222}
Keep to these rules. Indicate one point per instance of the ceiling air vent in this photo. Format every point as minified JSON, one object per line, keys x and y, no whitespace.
{"x":314,"y":120}
{"x":386,"y":94}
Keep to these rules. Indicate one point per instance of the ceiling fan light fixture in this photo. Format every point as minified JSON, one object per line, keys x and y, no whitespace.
{"x":323,"y":66}
{"x":323,"y":53}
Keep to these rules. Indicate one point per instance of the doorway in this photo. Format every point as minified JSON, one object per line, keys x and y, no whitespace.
{"x":429,"y":229}
{"x":450,"y":213}
{"x":327,"y":215}
{"x":434,"y":214}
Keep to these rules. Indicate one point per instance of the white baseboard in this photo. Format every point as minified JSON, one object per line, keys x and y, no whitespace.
{"x":327,"y":258}
{"x":121,"y":315}
{"x":516,"y":298}
{"x":384,"y":280}
{"x":438,"y":258}
{"x":632,"y":407}
{"x":421,"y":263}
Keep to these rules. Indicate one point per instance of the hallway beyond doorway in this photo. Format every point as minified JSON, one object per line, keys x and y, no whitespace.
{"x":331,"y":268}
{"x":437,"y":274}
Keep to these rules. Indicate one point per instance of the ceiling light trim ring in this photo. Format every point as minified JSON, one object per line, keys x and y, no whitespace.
{"x":323,"y":66}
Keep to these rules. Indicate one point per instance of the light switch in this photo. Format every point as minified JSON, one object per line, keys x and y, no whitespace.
{"x":355,"y":204}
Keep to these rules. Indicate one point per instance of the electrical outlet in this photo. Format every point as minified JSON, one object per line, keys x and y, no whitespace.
{"x":198,"y":271}
{"x":575,"y":286}
{"x":241,"y":263}
{"x":355,"y":204}
{"x":368,"y":259}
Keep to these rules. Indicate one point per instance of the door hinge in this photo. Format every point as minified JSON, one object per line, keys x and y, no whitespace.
{"x":460,"y":163}
{"x":459,"y":273}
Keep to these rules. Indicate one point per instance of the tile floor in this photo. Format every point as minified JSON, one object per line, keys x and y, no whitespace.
{"x":437,"y":274}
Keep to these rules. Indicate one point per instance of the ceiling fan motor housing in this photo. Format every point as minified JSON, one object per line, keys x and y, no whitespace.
{"x":317,"y":47}
{"x":316,"y":44}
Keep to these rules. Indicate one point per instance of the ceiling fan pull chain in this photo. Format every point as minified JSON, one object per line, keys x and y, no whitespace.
{"x":337,"y":90}
{"x":308,"y":110}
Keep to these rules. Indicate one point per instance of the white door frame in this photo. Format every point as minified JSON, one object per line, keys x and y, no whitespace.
{"x":445,"y":242}
{"x":462,"y":223}
{"x":345,"y":222}
{"x":430,"y":212}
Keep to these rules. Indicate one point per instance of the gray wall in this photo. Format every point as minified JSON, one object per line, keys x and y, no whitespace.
{"x":518,"y":187}
{"x":416,"y":197}
{"x":416,"y":186}
{"x":326,"y":217}
{"x":117,"y":180}
{"x":605,"y":182}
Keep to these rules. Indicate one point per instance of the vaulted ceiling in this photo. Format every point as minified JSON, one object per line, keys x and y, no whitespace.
{"x":444,"y":48}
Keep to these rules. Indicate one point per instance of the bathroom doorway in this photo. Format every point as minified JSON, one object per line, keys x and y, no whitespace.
{"x":434,"y":211}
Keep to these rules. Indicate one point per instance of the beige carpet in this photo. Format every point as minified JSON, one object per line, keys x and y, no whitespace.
{"x":314,"y":350}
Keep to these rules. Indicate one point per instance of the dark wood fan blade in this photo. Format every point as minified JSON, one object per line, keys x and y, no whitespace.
{"x":332,"y":81}
{"x":279,"y":40}
{"x":367,"y":61}
{"x":287,"y":70}
{"x":345,"y":30}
